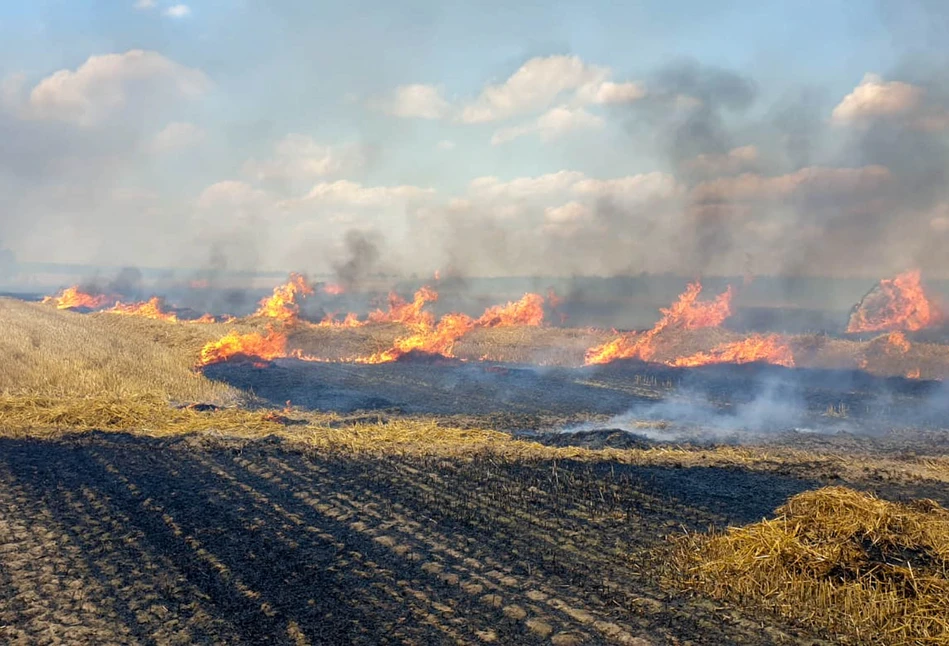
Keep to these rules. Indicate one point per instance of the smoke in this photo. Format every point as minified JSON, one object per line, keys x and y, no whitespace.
{"x":362,"y":258}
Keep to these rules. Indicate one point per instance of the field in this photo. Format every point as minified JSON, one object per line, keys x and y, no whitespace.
{"x":429,"y":501}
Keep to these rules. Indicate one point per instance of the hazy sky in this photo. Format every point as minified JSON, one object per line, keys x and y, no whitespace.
{"x":481,"y":137}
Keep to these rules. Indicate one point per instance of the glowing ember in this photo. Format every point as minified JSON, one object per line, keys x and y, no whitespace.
{"x":895,"y":304}
{"x":333,"y":289}
{"x":767,"y":348}
{"x":407,"y":313}
{"x":252,"y":345}
{"x":150,"y":309}
{"x":283,"y":304}
{"x":687,"y":313}
{"x":74,"y":297}
{"x":439,"y":339}
{"x":527,"y":311}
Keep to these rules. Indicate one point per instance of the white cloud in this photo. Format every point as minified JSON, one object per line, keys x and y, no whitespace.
{"x":175,"y":136}
{"x":567,"y":213}
{"x":733,"y":161}
{"x":177,"y":11}
{"x":445,"y":144}
{"x":813,"y":181}
{"x":630,"y":189}
{"x":551,"y":125}
{"x":416,"y":101}
{"x":875,"y":98}
{"x":345,"y":192}
{"x":103,"y":84}
{"x":299,"y":157}
{"x":524,"y":187}
{"x":230,"y":194}
{"x":145,"y":4}
{"x":540,"y":81}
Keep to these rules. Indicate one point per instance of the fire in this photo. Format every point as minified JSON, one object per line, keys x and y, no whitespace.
{"x":687,"y":313}
{"x":529,"y":310}
{"x":913,"y":374}
{"x":151,"y":309}
{"x":204,"y":318}
{"x":283,"y":304}
{"x":895,"y":304}
{"x":439,"y":339}
{"x":769,"y":348}
{"x":351,"y":320}
{"x":407,"y":313}
{"x":273,"y":345}
{"x":74,"y":297}
{"x":898,"y":342}
{"x":333,"y":289}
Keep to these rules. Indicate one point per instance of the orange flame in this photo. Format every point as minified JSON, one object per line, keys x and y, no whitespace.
{"x":151,"y":309}
{"x":283,"y":304}
{"x":204,"y":318}
{"x":687,"y":313}
{"x":333,"y":289}
{"x":899,"y":303}
{"x":407,"y":313}
{"x":913,"y":374}
{"x":898,"y":342}
{"x":768,"y":348}
{"x":439,"y":339}
{"x":254,"y":345}
{"x":74,"y":297}
{"x":527,"y":311}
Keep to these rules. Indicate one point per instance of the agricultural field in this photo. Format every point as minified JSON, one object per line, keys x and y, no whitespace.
{"x":398,"y":477}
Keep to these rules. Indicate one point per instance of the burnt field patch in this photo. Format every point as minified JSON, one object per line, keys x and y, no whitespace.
{"x":121,"y":539}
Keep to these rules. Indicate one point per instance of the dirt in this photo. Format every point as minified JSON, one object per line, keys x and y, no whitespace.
{"x":118,"y":539}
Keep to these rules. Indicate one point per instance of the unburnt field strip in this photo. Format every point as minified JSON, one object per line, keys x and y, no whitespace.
{"x":122,"y":539}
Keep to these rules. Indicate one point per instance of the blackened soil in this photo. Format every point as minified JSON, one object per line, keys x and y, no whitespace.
{"x":110,"y":539}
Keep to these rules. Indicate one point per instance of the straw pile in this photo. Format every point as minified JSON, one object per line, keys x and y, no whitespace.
{"x":870,"y":570}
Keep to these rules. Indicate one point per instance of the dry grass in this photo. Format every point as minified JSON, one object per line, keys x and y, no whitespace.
{"x":63,"y":354}
{"x":837,"y":559}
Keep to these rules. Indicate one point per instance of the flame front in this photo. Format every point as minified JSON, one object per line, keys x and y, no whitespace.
{"x":769,"y":348}
{"x":283,"y":304}
{"x":439,"y":339}
{"x":899,"y":303}
{"x":529,"y":310}
{"x":151,"y":309}
{"x":74,"y":297}
{"x":273,"y":345}
{"x":687,"y":313}
{"x":407,"y":313}
{"x":351,"y":320}
{"x":898,"y":342}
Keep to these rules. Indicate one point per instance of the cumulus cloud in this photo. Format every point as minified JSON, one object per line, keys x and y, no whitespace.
{"x":299,"y":158}
{"x":230,"y":194}
{"x":416,"y":101}
{"x":814,"y":182}
{"x":551,"y":125}
{"x":176,"y":136}
{"x":735,"y":160}
{"x":348,"y":193}
{"x":540,"y":81}
{"x":875,"y":100}
{"x":104,"y":84}
{"x":178,"y":11}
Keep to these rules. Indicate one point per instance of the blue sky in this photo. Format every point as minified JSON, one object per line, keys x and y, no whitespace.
{"x":240,"y":111}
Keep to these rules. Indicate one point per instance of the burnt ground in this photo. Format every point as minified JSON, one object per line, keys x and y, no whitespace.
{"x":119,"y":539}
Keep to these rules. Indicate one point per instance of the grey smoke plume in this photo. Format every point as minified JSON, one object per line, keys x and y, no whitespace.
{"x":362,"y":258}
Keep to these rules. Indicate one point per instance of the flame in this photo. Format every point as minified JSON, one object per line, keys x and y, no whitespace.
{"x":687,"y":313}
{"x":913,"y":374}
{"x":898,"y":342}
{"x":439,"y":339}
{"x":151,"y":309}
{"x":407,"y":313}
{"x":204,"y":318}
{"x":351,"y":320}
{"x":438,"y":275}
{"x":75,"y":297}
{"x":333,"y":289}
{"x":899,"y":303}
{"x":283,"y":304}
{"x":769,"y":348}
{"x":273,"y":345}
{"x":527,"y":311}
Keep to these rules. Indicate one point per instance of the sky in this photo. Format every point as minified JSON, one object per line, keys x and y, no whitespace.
{"x":489,"y":138}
